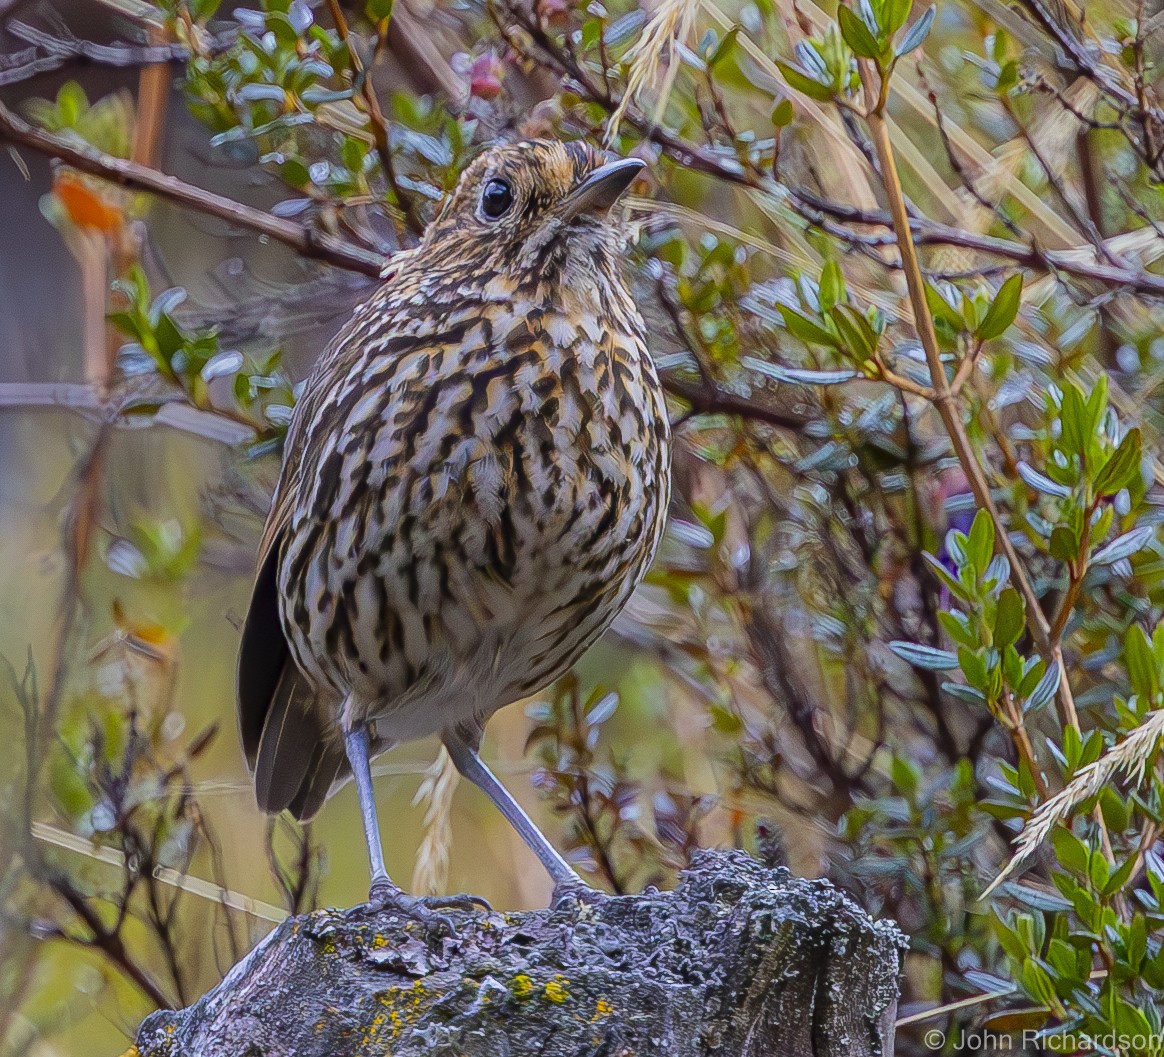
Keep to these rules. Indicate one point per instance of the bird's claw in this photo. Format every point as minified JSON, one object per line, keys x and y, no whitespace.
{"x":423,"y":909}
{"x":462,"y":901}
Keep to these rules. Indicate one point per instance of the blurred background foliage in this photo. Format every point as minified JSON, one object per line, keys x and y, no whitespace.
{"x":908,"y":602}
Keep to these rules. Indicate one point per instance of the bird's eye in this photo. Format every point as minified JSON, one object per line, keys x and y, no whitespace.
{"x":496,"y":199}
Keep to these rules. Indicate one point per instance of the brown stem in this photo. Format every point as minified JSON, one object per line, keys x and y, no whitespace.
{"x":708,"y":399}
{"x":1076,"y":572}
{"x":944,"y":400}
{"x":377,"y":121}
{"x":109,"y":943}
{"x":965,"y":367}
{"x":80,"y":528}
{"x":308,"y":241}
{"x":1013,"y":722}
{"x":1048,"y":644}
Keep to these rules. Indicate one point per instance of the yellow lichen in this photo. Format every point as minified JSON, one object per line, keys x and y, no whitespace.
{"x":556,"y":990}
{"x":522,"y":986}
{"x":602,"y":1008}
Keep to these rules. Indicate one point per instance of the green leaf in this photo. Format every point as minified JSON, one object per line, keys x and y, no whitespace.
{"x":980,"y":545}
{"x":1141,"y":664}
{"x":957,"y":626}
{"x":942,"y":310}
{"x":1137,"y":945}
{"x":974,"y":668}
{"x":1009,"y":618}
{"x":894,"y":15}
{"x":858,"y":338}
{"x":1016,"y":1021}
{"x":724,"y":48}
{"x":1098,"y":871}
{"x":1123,"y":467}
{"x":376,"y":10}
{"x":1031,"y":679}
{"x":783,"y":113}
{"x":832,"y":287}
{"x":1003,"y":309}
{"x":1064,"y":546}
{"x":1072,"y":418}
{"x":802,"y":82}
{"x":71,"y":104}
{"x":955,"y":587}
{"x":1096,"y":404}
{"x":856,"y":34}
{"x":725,"y":721}
{"x":806,"y":329}
{"x":1071,"y":852}
{"x":1114,"y":808}
{"x":1009,"y":939}
{"x":1157,"y":644}
{"x":906,"y":776}
{"x":1037,"y":983}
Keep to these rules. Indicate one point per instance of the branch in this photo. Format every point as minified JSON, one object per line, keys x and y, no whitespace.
{"x":306,"y":240}
{"x":738,"y":960}
{"x":67,"y":48}
{"x":130,"y":411}
{"x":944,"y":400}
{"x":708,"y":400}
{"x":376,"y":120}
{"x":934,"y":233}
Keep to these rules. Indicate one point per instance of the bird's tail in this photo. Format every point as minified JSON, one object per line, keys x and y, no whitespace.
{"x":296,"y":755}
{"x":299,"y":758}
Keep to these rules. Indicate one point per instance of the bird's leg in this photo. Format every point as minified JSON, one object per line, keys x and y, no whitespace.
{"x":359,"y":756}
{"x":384,"y":891}
{"x":567,"y":884}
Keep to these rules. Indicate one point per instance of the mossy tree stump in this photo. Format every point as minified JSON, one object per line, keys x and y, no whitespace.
{"x":738,"y":960}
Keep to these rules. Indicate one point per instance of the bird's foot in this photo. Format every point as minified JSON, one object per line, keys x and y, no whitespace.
{"x":572,"y":892}
{"x":425,"y":910}
{"x":462,"y":901}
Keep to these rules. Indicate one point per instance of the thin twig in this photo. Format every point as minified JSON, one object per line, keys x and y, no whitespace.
{"x":944,"y":400}
{"x":377,"y":120}
{"x":306,"y":240}
{"x":67,"y":49}
{"x":126,"y":411}
{"x":708,"y":400}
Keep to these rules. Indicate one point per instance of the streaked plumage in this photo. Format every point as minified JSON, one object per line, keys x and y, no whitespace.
{"x":475,"y":479}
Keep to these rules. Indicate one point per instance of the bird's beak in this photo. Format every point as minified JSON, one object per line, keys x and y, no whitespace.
{"x":603,"y":187}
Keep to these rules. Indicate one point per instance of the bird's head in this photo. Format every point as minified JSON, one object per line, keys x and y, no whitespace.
{"x":535,"y":211}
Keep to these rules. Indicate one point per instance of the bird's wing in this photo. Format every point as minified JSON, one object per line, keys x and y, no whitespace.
{"x":279,"y":723}
{"x":263,"y":653}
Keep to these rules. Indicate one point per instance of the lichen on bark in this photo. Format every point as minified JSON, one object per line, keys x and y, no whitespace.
{"x":738,"y":960}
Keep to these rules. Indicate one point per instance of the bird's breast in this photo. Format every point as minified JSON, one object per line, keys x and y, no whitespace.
{"x":490,"y":498}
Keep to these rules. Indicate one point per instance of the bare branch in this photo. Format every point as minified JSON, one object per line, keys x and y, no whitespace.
{"x":304,"y":239}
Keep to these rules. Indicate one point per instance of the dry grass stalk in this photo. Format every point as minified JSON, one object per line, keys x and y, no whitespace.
{"x":1129,"y":758}
{"x":669,"y":25}
{"x":431,"y":874}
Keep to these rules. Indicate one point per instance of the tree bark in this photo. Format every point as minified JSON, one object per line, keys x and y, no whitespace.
{"x":738,"y":960}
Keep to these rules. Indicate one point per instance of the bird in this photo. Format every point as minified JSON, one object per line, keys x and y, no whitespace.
{"x":475,"y":478}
